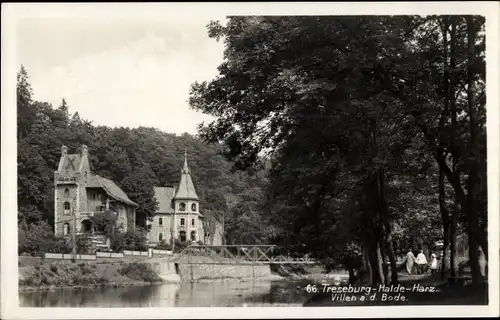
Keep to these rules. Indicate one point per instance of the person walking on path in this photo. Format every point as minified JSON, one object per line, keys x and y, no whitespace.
{"x":421,"y":261}
{"x":434,"y":265}
{"x":410,"y":259}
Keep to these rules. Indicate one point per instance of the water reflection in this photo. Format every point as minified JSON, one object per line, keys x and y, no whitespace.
{"x":202,"y":294}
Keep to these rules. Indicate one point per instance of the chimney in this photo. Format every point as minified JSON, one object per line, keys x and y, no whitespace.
{"x":85,"y":151}
{"x":64,"y":151}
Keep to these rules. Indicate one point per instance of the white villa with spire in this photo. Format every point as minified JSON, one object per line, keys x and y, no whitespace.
{"x":178,"y":215}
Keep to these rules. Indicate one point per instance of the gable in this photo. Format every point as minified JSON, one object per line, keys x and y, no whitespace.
{"x":110,"y":187}
{"x":70,"y":163}
{"x":164,"y":196}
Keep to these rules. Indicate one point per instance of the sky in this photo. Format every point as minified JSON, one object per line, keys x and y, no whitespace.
{"x":120,"y":72}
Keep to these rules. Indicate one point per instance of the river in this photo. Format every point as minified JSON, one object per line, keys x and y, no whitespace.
{"x":200,"y":294}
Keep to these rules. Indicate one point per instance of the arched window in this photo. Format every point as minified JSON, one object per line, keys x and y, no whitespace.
{"x":193,"y":235}
{"x":66,"y":193}
{"x":160,"y":221}
{"x":193,"y":207}
{"x":160,"y":236}
{"x":67,"y":207}
{"x":66,"y":229}
{"x":182,"y":206}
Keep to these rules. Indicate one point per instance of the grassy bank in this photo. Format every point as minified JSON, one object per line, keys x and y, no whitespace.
{"x":56,"y":276}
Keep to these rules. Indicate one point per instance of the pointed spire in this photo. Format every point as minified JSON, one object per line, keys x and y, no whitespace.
{"x":186,"y":188}
{"x":185,"y":169}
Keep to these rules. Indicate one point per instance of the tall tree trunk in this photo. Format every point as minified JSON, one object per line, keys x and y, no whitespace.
{"x":367,"y":268}
{"x":483,"y":239}
{"x":392,"y":257}
{"x":374,"y":258}
{"x":380,"y":263}
{"x":453,"y":243}
{"x":472,"y":217}
{"x":384,"y":256}
{"x":445,"y":217}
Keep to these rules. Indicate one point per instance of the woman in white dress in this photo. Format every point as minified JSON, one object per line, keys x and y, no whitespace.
{"x":434,"y":265}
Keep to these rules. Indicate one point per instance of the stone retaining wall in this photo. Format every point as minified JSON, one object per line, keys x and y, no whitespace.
{"x":193,"y":272}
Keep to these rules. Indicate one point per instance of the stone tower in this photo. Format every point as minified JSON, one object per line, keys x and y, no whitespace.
{"x":70,"y":196}
{"x":186,"y":207}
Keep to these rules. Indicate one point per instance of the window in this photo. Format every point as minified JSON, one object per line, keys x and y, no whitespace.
{"x":182,"y":235}
{"x":192,"y":222}
{"x":193,"y":207}
{"x":183,"y":222}
{"x":67,"y":207}
{"x":66,"y":229}
{"x":160,"y":236}
{"x":160,"y":221}
{"x":66,"y":193}
{"x":182,"y":206}
{"x":193,"y":235}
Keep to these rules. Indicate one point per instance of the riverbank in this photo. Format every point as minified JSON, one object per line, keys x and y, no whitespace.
{"x":64,"y":276}
{"x":313,"y":273}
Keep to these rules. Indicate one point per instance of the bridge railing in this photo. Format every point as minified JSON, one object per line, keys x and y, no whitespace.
{"x":237,"y":254}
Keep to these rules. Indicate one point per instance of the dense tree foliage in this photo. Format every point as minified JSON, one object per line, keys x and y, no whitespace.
{"x":374,"y":126}
{"x":136,"y":159}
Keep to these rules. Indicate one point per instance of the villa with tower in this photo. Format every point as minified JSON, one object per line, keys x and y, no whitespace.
{"x":178,"y":215}
{"x":82,"y":194}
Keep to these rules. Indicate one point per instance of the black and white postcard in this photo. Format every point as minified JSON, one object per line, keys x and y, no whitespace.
{"x":167,"y":160}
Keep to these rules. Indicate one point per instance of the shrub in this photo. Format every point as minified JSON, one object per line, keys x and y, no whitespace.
{"x":83,"y":244}
{"x":131,"y":240}
{"x":33,"y":238}
{"x":86,"y":270}
{"x":179,"y":246}
{"x":61,"y":245}
{"x":53,"y":268}
{"x":164,"y":246}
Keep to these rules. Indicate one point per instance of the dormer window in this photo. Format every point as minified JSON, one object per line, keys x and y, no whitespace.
{"x":193,"y":207}
{"x":66,"y":193}
{"x":67,"y":207}
{"x":182,"y":206}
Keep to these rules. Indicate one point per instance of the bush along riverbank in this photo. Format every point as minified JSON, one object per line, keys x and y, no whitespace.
{"x":59,"y":276}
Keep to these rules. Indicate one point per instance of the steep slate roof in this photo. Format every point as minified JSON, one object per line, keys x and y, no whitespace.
{"x":93,"y":182}
{"x":186,"y":189}
{"x":96,"y":181}
{"x":164,"y":196}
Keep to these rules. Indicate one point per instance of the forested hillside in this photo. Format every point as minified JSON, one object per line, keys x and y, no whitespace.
{"x":136,"y":158}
